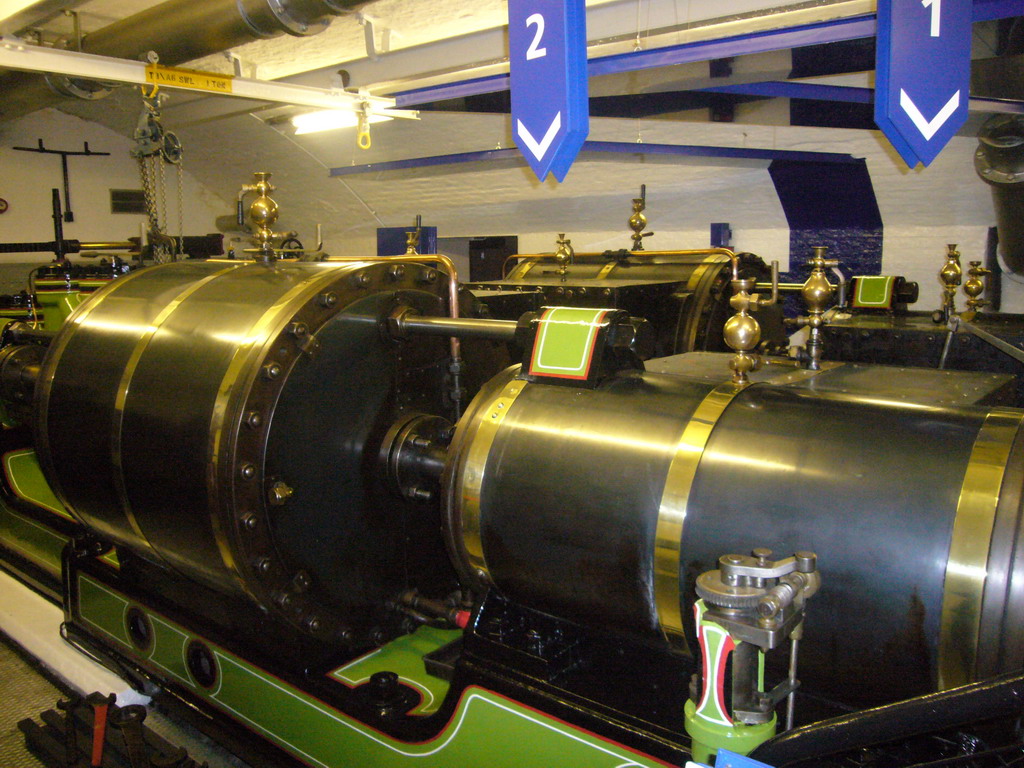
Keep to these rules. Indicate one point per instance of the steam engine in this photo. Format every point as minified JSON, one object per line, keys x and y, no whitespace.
{"x":279,"y":468}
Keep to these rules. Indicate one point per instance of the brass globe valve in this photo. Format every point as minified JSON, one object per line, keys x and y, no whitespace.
{"x":263,"y":213}
{"x":638,"y":221}
{"x":973,"y":287}
{"x":742,"y":332}
{"x":950,"y":275}
{"x":817,"y":294}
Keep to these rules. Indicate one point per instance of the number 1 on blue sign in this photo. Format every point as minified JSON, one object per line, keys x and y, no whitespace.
{"x":936,"y":6}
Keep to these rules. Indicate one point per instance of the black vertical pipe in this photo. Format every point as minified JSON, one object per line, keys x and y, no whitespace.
{"x":59,"y":247}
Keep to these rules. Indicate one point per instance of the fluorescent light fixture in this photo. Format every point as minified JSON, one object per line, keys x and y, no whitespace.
{"x":331,"y":119}
{"x":11,"y":8}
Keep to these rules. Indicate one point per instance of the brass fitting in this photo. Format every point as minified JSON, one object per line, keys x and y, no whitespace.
{"x":412,"y":242}
{"x":638,"y":222}
{"x":973,"y":287}
{"x":742,"y":332}
{"x":564,"y":254}
{"x":263,"y":213}
{"x":950,"y":275}
{"x":817,"y":294}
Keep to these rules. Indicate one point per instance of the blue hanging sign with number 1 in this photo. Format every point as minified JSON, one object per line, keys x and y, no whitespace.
{"x":922,"y":74}
{"x":548,"y":68}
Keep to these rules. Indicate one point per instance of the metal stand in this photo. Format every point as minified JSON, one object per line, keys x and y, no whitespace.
{"x":64,"y":155}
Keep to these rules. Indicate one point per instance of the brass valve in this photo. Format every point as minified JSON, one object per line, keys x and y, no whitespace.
{"x":973,"y":287}
{"x":263,"y":213}
{"x":564,"y":254}
{"x":412,"y":242}
{"x":742,"y":332}
{"x":950,"y":275}
{"x":638,"y":221}
{"x":817,"y":294}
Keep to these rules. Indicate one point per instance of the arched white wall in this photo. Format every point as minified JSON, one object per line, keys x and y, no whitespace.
{"x":26,"y":179}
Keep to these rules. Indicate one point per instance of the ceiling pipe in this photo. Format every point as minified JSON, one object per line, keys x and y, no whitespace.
{"x":181,"y":31}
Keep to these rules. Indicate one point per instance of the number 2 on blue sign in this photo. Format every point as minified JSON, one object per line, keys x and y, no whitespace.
{"x":533,"y":52}
{"x":936,"y":6}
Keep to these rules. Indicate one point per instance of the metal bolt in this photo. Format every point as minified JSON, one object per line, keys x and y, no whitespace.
{"x":298,"y":330}
{"x":428,"y":275}
{"x":271,"y":371}
{"x":361,"y":280}
{"x":302,"y":581}
{"x":279,"y":493}
{"x":253,"y":419}
{"x":313,"y":624}
{"x":763,"y":556}
{"x":397,"y":272}
{"x":263,"y":566}
{"x":250,"y":522}
{"x":248,"y":471}
{"x":328,"y":299}
{"x":420,"y":494}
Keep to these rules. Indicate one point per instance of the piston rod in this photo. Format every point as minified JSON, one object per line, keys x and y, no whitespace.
{"x":406,"y":322}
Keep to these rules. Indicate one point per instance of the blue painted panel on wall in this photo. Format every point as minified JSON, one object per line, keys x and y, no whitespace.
{"x":829,"y":204}
{"x":391,"y":240}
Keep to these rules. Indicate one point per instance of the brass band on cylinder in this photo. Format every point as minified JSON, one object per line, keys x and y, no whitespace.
{"x":672,"y":511}
{"x":46,"y":376}
{"x":967,"y":566}
{"x":487,"y":420}
{"x":124,"y":386}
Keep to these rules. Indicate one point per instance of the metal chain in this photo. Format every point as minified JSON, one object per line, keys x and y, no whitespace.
{"x":181,"y":209}
{"x":162,"y":189}
{"x":147,"y":170}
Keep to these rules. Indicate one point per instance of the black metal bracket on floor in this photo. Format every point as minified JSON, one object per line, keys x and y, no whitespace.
{"x":64,"y":155}
{"x":93,"y":731}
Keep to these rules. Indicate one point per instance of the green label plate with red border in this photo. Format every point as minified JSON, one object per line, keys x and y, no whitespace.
{"x":566,"y":341}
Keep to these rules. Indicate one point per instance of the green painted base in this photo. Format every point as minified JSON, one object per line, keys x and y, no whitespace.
{"x":710,"y":737}
{"x":481,"y":728}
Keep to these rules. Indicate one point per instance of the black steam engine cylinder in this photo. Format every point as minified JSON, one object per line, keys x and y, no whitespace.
{"x":235,"y":412}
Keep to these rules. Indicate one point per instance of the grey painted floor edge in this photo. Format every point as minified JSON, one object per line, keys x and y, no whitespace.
{"x":26,"y":690}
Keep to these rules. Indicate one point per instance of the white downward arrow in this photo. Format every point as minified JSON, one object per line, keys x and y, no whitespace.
{"x":540,"y":148}
{"x":926,"y":127}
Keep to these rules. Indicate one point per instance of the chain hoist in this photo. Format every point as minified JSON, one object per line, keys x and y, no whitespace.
{"x":156,"y":148}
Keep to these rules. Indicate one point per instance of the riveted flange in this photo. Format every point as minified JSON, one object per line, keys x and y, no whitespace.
{"x":284,"y":587}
